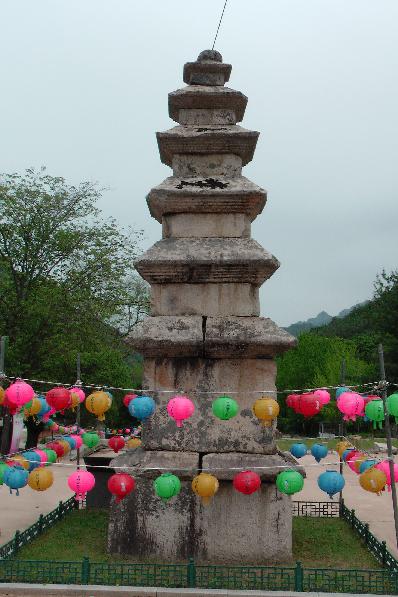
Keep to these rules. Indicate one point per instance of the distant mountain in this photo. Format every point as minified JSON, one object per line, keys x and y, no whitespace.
{"x":320,"y":320}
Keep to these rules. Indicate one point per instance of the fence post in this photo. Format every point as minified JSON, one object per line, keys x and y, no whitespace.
{"x":191,"y":573}
{"x":85,"y":571}
{"x":40,"y":523}
{"x":298,"y":577}
{"x":16,"y":543}
{"x":366,"y":533}
{"x":352,"y":517}
{"x":60,"y":509}
{"x":383,"y":552}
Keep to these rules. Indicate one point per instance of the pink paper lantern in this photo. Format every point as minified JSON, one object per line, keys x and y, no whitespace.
{"x":385,"y":467}
{"x":79,"y":392}
{"x":351,"y":458}
{"x":43,"y":456}
{"x":323,"y":396}
{"x":128,"y":398}
{"x":180,"y":408}
{"x":81,"y":482}
{"x":78,"y":440}
{"x":18,"y":394}
{"x":351,"y":405}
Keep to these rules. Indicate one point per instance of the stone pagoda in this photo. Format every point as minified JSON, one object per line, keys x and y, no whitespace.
{"x":204,"y":338}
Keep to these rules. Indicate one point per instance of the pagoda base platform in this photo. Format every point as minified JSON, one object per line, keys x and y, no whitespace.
{"x":233,"y":528}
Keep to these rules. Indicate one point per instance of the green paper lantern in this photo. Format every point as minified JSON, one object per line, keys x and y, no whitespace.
{"x":3,"y":468}
{"x":374,"y":410}
{"x":289,"y":482}
{"x":90,"y":439}
{"x":225,"y":408}
{"x":167,"y":486}
{"x":392,"y":405}
{"x":51,"y":456}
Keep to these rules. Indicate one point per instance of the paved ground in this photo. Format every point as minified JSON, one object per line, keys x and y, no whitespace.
{"x":20,"y":512}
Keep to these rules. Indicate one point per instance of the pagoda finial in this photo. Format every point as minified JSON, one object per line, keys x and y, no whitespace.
{"x":209,"y":69}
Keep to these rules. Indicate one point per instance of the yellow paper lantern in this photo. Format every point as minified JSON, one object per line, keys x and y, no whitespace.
{"x":74,"y":400}
{"x":98,"y":403}
{"x":2,"y":394}
{"x":359,"y":461}
{"x":266,"y":410}
{"x":342,"y":447}
{"x":40,"y":479}
{"x":373,"y":480}
{"x":65,"y":445}
{"x":134,"y":442}
{"x":19,"y":460}
{"x":205,"y":486}
{"x":33,"y":409}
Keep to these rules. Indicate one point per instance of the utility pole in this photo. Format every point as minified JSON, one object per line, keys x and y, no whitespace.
{"x":388,"y":438}
{"x":5,"y":436}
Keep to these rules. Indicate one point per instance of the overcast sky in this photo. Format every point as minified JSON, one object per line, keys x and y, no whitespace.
{"x":84,"y":87}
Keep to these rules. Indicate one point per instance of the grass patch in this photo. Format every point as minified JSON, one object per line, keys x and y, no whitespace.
{"x":317,"y":542}
{"x":329,"y":543}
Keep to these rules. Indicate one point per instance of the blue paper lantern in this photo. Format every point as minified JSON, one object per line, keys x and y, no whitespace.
{"x":142,"y":407}
{"x":15,"y":478}
{"x":33,"y":459}
{"x":71,"y":441}
{"x":366,"y":464}
{"x":346,"y":452}
{"x":298,"y":450}
{"x":341,"y":390}
{"x":319,"y":451}
{"x":331,"y":482}
{"x":45,"y":407}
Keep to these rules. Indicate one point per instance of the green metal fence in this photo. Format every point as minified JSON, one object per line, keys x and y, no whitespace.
{"x":42,"y":524}
{"x":266,"y":578}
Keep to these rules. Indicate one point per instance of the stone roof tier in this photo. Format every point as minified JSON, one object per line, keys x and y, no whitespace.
{"x":229,"y":104}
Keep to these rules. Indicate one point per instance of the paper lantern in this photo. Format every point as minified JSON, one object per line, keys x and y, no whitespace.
{"x":369,"y":398}
{"x":58,"y":398}
{"x":2,"y":395}
{"x":142,"y":407}
{"x":116,"y":443}
{"x":78,"y":441}
{"x":298,"y":450}
{"x":351,"y":405}
{"x":180,"y":408}
{"x":45,"y":407}
{"x":289,"y":482}
{"x":342,"y":447}
{"x":18,"y":394}
{"x":225,"y":408}
{"x":40,"y":479}
{"x":134,"y":442}
{"x":266,"y":410}
{"x":308,"y":405}
{"x":18,"y":460}
{"x":98,"y":403}
{"x":366,"y":464}
{"x":205,"y":486}
{"x":81,"y":482}
{"x":65,"y":445}
{"x":341,"y":390}
{"x":33,"y":409}
{"x":353,"y":459}
{"x":51,"y":456}
{"x":74,"y":400}
{"x":33,"y":459}
{"x":375,"y":412}
{"x":331,"y":482}
{"x":323,"y":396}
{"x":319,"y":451}
{"x":121,"y":485}
{"x":384,"y":466}
{"x":57,"y":448}
{"x":373,"y":480}
{"x":346,"y":453}
{"x":70,"y":440}
{"x":81,"y":396}
{"x":167,"y":486}
{"x":3,"y":468}
{"x":292,"y":401}
{"x":392,"y":405}
{"x":15,"y":477}
{"x":43,"y":456}
{"x":246,"y":482}
{"x":90,"y":439}
{"x":128,"y":398}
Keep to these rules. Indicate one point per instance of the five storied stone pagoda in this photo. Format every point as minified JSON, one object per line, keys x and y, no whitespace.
{"x":205,"y":338}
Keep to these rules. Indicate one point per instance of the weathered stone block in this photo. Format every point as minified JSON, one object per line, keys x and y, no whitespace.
{"x":205,"y":299}
{"x":204,"y":380}
{"x":210,"y":164}
{"x":212,"y":195}
{"x":206,"y":225}
{"x":209,"y":101}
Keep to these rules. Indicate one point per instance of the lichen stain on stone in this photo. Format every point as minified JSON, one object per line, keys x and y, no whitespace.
{"x":210,"y":183}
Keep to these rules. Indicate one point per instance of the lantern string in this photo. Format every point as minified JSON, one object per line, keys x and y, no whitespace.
{"x":375,"y":385}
